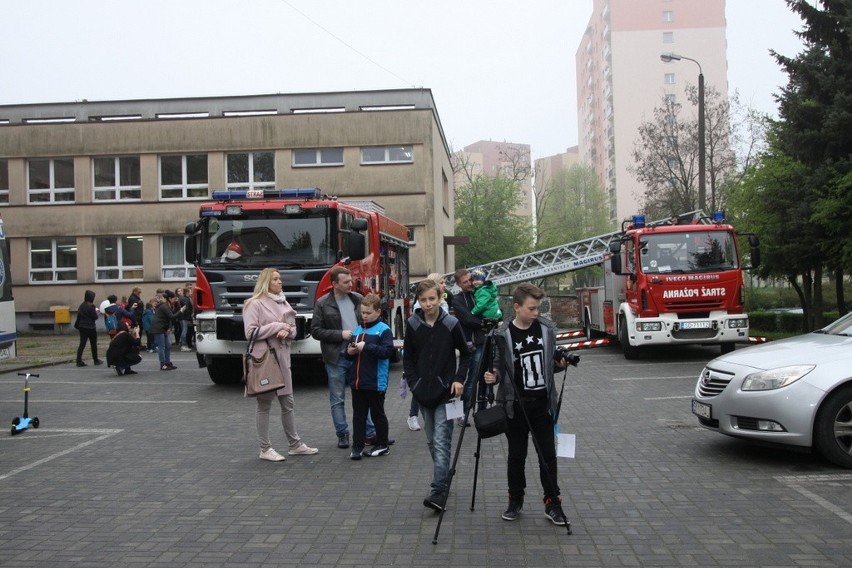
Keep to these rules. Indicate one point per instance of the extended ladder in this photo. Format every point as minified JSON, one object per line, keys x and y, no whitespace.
{"x":562,"y":258}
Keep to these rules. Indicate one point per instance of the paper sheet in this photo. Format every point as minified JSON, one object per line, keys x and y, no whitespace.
{"x":565,"y":445}
{"x":455,"y":409}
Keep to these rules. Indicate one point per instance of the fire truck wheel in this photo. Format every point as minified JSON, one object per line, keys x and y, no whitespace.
{"x":587,"y":325}
{"x":630,"y":352}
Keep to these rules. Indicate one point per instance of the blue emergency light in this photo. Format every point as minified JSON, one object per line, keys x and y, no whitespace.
{"x":718,"y":217}
{"x":638,"y":221}
{"x":291,"y":193}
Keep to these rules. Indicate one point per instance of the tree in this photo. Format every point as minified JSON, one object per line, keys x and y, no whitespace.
{"x":666,"y":152}
{"x":815,"y":108}
{"x":485,"y":213}
{"x":570,"y":207}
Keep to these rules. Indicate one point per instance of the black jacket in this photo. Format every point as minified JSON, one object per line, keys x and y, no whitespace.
{"x":327,"y":326}
{"x":463,"y":302}
{"x":430,"y":351}
{"x":87,"y":313}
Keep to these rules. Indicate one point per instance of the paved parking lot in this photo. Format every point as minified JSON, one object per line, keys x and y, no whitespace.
{"x":161,"y":469}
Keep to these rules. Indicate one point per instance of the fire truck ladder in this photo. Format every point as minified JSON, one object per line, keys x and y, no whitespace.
{"x":562,"y":258}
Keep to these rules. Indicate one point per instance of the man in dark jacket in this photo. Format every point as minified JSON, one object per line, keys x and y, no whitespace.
{"x":335,"y":317}
{"x":463,"y":303}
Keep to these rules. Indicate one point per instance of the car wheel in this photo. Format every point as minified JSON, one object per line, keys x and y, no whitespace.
{"x":630,"y":352}
{"x":833,"y":428}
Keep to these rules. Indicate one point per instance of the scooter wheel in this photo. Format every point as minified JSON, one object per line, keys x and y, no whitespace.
{"x":16,"y":420}
{"x":14,"y":430}
{"x":35,"y":422}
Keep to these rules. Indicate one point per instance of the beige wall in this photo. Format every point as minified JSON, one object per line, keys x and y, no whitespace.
{"x":412,"y":194}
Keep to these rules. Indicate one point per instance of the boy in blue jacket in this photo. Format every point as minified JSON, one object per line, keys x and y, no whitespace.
{"x":370,"y":349}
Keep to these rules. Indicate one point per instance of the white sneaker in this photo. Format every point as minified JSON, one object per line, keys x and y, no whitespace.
{"x":272,"y":455}
{"x":412,"y":423}
{"x":302,"y":450}
{"x":185,"y":348}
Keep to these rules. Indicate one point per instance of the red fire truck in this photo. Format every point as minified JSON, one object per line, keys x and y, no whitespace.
{"x":303,"y":234}
{"x":672,"y":282}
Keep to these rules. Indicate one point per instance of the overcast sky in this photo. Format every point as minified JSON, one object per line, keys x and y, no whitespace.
{"x":496,"y":71}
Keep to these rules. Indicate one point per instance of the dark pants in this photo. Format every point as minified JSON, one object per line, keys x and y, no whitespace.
{"x":518,"y":437}
{"x":128,"y":361}
{"x":372,"y":402}
{"x":90,"y":335}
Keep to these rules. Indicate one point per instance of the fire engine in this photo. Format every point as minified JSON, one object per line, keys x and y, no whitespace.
{"x":303,"y":234}
{"x":674,"y":281}
{"x":678,"y":281}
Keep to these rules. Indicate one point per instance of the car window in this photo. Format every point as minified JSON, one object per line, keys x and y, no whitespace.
{"x":843,"y":326}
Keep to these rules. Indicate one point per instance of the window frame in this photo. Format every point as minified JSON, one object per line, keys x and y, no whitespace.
{"x":668,"y":37}
{"x":54,"y":269}
{"x":318,"y":158}
{"x":124,"y":271}
{"x":52,"y":191}
{"x":184,"y":187}
{"x":4,"y":182}
{"x":409,"y":148}
{"x":251,"y":184}
{"x":188,"y":270}
{"x":116,"y":191}
{"x":668,"y":15}
{"x":669,"y":79}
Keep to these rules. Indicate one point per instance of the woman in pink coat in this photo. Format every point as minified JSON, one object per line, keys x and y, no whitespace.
{"x":268,"y":312}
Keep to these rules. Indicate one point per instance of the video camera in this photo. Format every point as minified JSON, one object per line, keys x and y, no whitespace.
{"x":490,"y":324}
{"x":562,"y":353}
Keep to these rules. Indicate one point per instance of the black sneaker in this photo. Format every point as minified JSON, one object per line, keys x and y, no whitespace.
{"x":378,"y":450}
{"x":356,"y":453}
{"x":343,"y":441}
{"x":81,"y":363}
{"x":130,"y":371}
{"x":513,"y":511}
{"x":553,"y":511}
{"x":436,"y":501}
{"x":118,"y":371}
{"x":373,"y":440}
{"x":99,"y":362}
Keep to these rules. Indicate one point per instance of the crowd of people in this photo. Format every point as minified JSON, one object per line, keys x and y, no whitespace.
{"x":164,"y":320}
{"x":442,"y":359}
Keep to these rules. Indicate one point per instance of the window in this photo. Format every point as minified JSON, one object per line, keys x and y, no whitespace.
{"x":668,"y":37}
{"x":53,"y":260}
{"x":118,"y":258}
{"x":174,"y":266}
{"x":183,"y":177}
{"x":387,"y":154}
{"x":254,"y":170}
{"x":669,"y":79}
{"x":671,"y":99}
{"x":117,"y":178}
{"x":50,"y":181}
{"x":668,"y":16}
{"x":4,"y":182}
{"x":317,"y":157}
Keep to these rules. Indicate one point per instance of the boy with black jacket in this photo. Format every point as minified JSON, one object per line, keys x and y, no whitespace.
{"x":524,"y":367}
{"x":431,"y":370}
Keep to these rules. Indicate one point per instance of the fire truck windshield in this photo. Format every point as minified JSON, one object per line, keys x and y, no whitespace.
{"x":270,"y":238}
{"x":683,"y":253}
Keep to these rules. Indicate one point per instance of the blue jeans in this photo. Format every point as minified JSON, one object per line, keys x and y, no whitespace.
{"x":338,"y":380}
{"x":164,"y":348}
{"x":439,"y":437}
{"x":184,"y":326}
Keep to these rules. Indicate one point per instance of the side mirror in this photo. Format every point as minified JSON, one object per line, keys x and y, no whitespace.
{"x":357,"y":246}
{"x":190,"y":251}
{"x":615,"y":259}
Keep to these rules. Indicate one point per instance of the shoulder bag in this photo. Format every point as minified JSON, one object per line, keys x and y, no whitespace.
{"x":491,"y":421}
{"x":261,"y":374}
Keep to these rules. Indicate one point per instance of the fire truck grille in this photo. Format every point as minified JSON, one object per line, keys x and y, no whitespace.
{"x":710,"y":304}
{"x":694,"y":333}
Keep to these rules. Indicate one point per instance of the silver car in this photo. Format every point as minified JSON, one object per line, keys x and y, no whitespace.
{"x":795,"y":391}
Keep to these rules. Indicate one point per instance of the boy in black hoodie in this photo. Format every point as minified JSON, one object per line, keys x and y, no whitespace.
{"x":430,"y":369}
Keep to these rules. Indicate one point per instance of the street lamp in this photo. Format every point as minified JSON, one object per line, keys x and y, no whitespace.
{"x":702,"y":180}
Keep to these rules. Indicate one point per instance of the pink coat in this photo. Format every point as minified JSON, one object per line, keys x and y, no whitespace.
{"x":268,"y":317}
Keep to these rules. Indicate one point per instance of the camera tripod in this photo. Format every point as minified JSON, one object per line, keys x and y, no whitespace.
{"x":482,"y":396}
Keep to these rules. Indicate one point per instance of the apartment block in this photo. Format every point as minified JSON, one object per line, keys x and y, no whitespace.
{"x":621,"y":79}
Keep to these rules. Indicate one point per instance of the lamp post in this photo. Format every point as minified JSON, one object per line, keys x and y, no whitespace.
{"x":702,"y":179}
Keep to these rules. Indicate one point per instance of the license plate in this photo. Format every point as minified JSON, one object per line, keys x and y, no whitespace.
{"x":702,"y":410}
{"x":695,"y":325}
